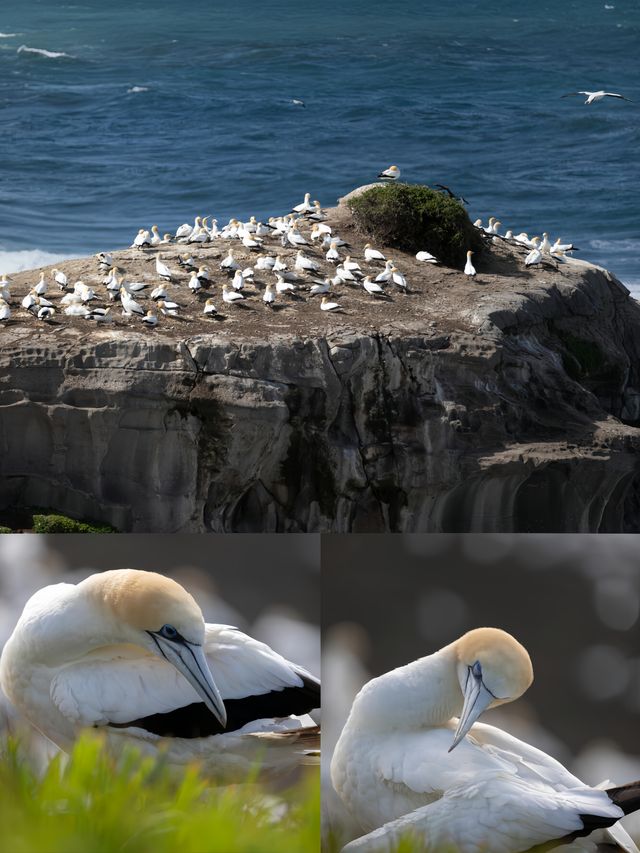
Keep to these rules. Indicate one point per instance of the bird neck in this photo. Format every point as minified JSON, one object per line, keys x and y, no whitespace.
{"x":423,"y":693}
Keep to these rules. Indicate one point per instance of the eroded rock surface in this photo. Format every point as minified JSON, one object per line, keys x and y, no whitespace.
{"x":510,"y":403}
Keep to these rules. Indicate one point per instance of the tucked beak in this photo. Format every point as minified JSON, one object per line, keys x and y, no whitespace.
{"x":189,"y":659}
{"x":476,"y":700}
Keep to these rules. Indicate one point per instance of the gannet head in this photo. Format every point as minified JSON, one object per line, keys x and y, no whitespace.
{"x":155,"y":612}
{"x":492,"y":668}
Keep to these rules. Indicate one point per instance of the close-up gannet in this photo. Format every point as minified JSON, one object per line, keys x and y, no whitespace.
{"x":209,"y":307}
{"x":390,"y":174}
{"x":59,"y":277}
{"x":129,"y":652}
{"x":150,"y":318}
{"x":593,"y":97}
{"x":412,"y":759}
{"x":5,"y":310}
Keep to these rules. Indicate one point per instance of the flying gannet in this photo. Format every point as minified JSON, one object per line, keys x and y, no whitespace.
{"x":593,"y":97}
{"x":390,"y":174}
{"x":129,"y":652}
{"x":412,"y":759}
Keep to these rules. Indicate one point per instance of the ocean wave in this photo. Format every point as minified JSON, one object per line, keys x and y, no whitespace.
{"x":135,"y":89}
{"x":28,"y":259}
{"x":8,"y":35}
{"x":50,"y":54}
{"x":629,"y":245}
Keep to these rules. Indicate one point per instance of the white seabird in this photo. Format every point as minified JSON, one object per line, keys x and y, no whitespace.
{"x":5,"y":310}
{"x":162,"y":269}
{"x":129,"y":652}
{"x":230,"y":296}
{"x":371,"y":254}
{"x":593,"y":97}
{"x":209,"y":307}
{"x":129,"y":305}
{"x":535,"y":255}
{"x":326,"y":305}
{"x":469,"y":268}
{"x":150,"y":318}
{"x":412,"y":759}
{"x":390,"y":174}
{"x":194,"y":283}
{"x":269,"y":297}
{"x":372,"y":288}
{"x":426,"y":258}
{"x":59,"y":277}
{"x":305,"y":206}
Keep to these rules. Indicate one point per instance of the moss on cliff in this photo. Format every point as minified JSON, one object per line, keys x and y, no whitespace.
{"x":412,"y":217}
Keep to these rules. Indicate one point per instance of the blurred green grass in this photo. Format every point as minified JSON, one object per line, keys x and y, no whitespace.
{"x":92,"y":803}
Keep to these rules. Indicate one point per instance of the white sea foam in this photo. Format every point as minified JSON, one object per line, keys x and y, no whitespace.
{"x":27,"y":259}
{"x":8,"y":35}
{"x":50,"y":54}
{"x":620,"y":245}
{"x":137,"y":89}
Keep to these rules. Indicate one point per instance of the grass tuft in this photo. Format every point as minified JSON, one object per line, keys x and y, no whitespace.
{"x":412,"y":217}
{"x":62,"y":524}
{"x":91,"y":803}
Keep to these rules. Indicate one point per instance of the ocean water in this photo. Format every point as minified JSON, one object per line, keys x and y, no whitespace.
{"x":119,"y":115}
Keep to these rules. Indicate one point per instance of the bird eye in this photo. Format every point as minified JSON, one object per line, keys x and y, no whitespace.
{"x":169,"y":632}
{"x":476,"y":669}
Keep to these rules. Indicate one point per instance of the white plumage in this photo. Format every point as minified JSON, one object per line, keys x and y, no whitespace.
{"x":405,"y":763}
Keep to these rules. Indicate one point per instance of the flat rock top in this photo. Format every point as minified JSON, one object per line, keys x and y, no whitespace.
{"x":438,"y":300}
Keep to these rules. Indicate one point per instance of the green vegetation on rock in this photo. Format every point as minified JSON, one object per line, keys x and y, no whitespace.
{"x":5,"y":529}
{"x":92,"y":803}
{"x":413,"y":217}
{"x":62,"y":524}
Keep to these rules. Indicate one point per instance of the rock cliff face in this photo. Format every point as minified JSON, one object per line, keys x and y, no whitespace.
{"x":526,"y":420}
{"x":506,"y":403}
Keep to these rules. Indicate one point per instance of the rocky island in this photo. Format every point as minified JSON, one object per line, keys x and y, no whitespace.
{"x":506,"y":402}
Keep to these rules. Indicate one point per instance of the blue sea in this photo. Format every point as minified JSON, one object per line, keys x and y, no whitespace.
{"x":118,"y":115}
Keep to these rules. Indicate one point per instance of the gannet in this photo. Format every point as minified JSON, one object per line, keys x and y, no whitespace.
{"x":283,"y":286}
{"x":100,"y":315}
{"x":535,"y":255}
{"x":345,"y":274}
{"x":105,"y":259}
{"x":304,"y":263}
{"x":230,"y":296}
{"x":426,"y":258}
{"x":229,"y":263}
{"x":318,"y":214}
{"x":187,"y":262}
{"x":168,"y":309}
{"x":320,"y":229}
{"x":405,"y":764}
{"x":150,"y":318}
{"x":186,"y":229}
{"x":142,"y":240}
{"x":129,"y":305}
{"x":545,"y":246}
{"x":252,"y":242}
{"x":371,"y":254}
{"x":238,"y":280}
{"x":265,"y":262}
{"x":162,"y":269}
{"x":156,"y":239}
{"x":279,"y":265}
{"x":209,"y":307}
{"x":390,"y":174}
{"x":46,"y":312}
{"x":41,"y":287}
{"x":592,"y":97}
{"x":304,"y":206}
{"x":385,"y":275}
{"x":129,"y":652}
{"x":29,"y":300}
{"x":77,"y":309}
{"x":203,"y":274}
{"x":200,"y":233}
{"x":325,"y":305}
{"x":294,"y":237}
{"x":398,"y":278}
{"x":332,"y":254}
{"x":560,"y":247}
{"x":5,"y":310}
{"x":269,"y":297}
{"x":320,"y":287}
{"x":59,"y":277}
{"x":194,"y":283}
{"x":158,"y":293}
{"x":372,"y":288}
{"x":469,"y":268}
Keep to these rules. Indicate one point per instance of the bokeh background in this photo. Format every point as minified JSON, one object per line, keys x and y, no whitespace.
{"x":268,"y":586}
{"x":573,"y":601}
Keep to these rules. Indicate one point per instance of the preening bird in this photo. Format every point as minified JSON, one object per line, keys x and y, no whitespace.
{"x":412,"y":758}
{"x":129,"y":652}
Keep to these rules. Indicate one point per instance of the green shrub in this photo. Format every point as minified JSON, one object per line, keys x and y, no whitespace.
{"x":62,"y":524}
{"x":412,"y":217}
{"x":92,"y":803}
{"x":5,"y":529}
